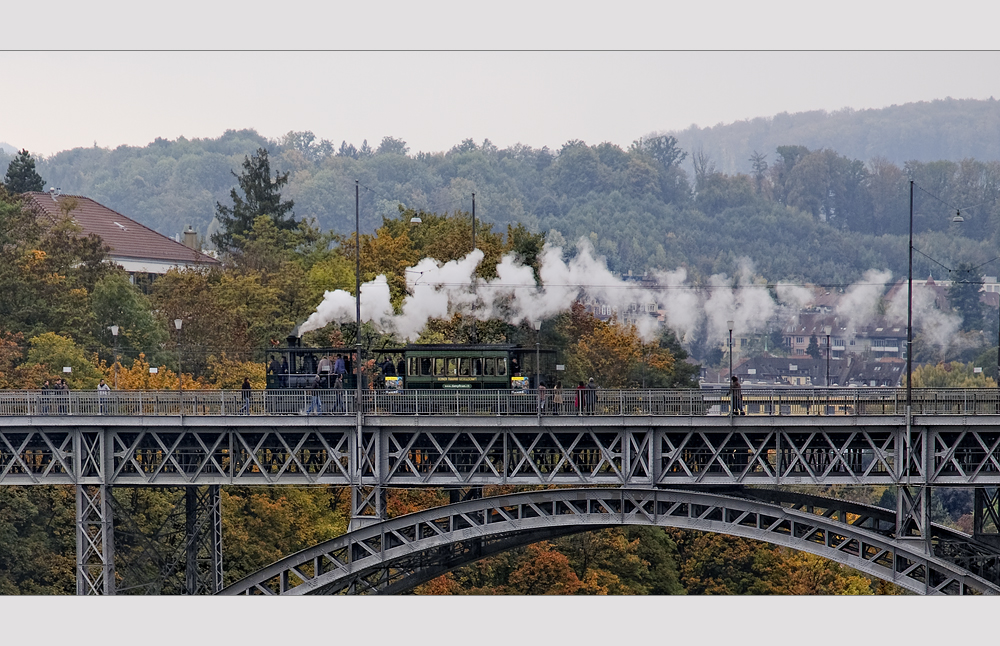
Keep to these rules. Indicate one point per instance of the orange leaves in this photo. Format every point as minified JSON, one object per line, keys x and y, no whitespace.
{"x":228,"y":374}
{"x":407,"y":501}
{"x":138,"y":377}
{"x":720,"y":564}
{"x":544,"y":572}
{"x":612,"y":353}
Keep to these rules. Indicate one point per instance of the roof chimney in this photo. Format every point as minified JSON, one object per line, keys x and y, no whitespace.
{"x":191,"y":238}
{"x":52,"y":193}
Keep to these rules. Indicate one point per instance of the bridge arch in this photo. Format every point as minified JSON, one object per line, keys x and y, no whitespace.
{"x":395,"y":555}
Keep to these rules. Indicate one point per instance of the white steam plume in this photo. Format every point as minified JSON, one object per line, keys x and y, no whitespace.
{"x":439,"y":290}
{"x":858,"y":306}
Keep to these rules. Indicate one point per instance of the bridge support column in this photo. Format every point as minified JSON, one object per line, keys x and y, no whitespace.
{"x":95,"y":541}
{"x":913,"y":514}
{"x":368,"y":499}
{"x":986,"y":515}
{"x":203,"y":540}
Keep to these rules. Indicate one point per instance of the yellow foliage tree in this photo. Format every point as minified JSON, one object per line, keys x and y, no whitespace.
{"x":950,"y":375}
{"x":228,"y":374}
{"x":138,"y":377}
{"x":614,"y":355}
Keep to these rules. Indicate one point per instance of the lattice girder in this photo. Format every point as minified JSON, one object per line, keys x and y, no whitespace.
{"x":366,"y":559}
{"x":95,"y":543}
{"x":477,"y":451}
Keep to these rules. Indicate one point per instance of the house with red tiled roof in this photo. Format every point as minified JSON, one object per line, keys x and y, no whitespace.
{"x":137,"y":248}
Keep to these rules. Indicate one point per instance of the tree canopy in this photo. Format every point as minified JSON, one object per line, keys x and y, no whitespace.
{"x":21,"y":175}
{"x":261,"y":195}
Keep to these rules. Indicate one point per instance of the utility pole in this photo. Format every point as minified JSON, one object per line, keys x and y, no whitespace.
{"x":475,"y":277}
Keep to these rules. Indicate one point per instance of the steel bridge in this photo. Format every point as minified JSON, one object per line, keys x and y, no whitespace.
{"x":663,"y":453}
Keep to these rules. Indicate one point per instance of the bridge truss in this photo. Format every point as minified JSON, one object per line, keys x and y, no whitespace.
{"x":395,"y":555}
{"x":194,"y":455}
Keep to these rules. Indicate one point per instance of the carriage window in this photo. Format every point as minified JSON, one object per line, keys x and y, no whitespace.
{"x":502,"y":367}
{"x":425,"y":366}
{"x":439,"y":367}
{"x":491,"y":367}
{"x":452,"y":367}
{"x":477,"y":367}
{"x":463,"y":366}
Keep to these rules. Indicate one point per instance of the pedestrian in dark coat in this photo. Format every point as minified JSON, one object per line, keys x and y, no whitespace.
{"x":736,"y":394}
{"x":591,"y":396}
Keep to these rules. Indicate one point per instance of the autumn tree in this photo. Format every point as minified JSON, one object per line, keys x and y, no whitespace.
{"x":47,"y":271}
{"x":545,"y":571}
{"x":712,"y":564}
{"x":138,"y":376}
{"x":53,"y":352}
{"x":38,"y":543}
{"x":115,"y":301}
{"x":950,"y":375}
{"x":14,"y":374}
{"x":263,"y":524}
{"x":613,"y":354}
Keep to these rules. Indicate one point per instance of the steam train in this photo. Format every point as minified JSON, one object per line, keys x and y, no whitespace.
{"x":414,"y":366}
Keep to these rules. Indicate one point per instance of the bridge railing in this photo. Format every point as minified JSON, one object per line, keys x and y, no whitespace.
{"x":601,"y":402}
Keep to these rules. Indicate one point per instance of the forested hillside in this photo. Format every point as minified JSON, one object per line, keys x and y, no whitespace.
{"x":926,"y":131}
{"x":822,"y":197}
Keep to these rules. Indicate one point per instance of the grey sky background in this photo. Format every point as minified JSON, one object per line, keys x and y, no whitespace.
{"x":434,"y":99}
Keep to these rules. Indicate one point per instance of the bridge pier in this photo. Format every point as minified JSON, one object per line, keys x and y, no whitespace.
{"x":986,"y":515}
{"x":95,"y":541}
{"x":147,"y":562}
{"x":203,"y":540}
{"x":913,"y":515}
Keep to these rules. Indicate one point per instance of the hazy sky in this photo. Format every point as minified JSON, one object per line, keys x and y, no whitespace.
{"x":434,"y":99}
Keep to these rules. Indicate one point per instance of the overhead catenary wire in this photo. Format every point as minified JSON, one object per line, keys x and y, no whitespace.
{"x":446,"y":204}
{"x":957,"y":209}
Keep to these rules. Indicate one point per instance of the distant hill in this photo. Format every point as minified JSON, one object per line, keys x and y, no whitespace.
{"x":7,"y":149}
{"x":946,"y":129}
{"x":817,"y":215}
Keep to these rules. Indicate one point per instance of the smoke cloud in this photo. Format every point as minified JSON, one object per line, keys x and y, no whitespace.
{"x":438,"y":290}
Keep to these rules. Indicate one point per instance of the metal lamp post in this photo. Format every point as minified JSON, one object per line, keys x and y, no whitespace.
{"x":357,"y":298}
{"x":475,"y":285}
{"x":177,"y":324}
{"x":909,"y":317}
{"x":114,"y":334}
{"x":730,"y":325}
{"x":827,"y":329}
{"x":538,"y":383}
{"x":958,"y":219}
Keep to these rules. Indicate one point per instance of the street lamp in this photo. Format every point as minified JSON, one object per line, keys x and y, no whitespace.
{"x":114,"y":333}
{"x":909,"y":318}
{"x":730,"y":325}
{"x":827,"y":329}
{"x":958,"y":219}
{"x":177,"y":324}
{"x":357,"y":300}
{"x":538,"y":384}
{"x":475,"y":285}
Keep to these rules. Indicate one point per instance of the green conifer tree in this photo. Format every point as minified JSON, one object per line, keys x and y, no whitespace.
{"x":21,"y":175}
{"x":261,"y":196}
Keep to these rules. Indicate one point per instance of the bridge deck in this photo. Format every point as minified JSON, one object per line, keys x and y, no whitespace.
{"x":475,"y":450}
